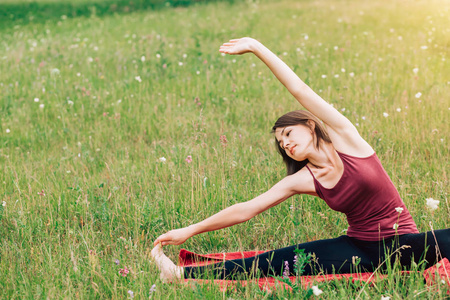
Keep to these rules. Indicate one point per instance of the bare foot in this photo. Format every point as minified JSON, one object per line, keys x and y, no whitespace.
{"x":169,"y":271}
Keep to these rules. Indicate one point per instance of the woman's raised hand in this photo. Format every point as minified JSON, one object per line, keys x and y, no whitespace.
{"x":238,"y":46}
{"x":174,"y":237}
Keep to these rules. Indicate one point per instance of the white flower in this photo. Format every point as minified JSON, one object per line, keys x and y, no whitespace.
{"x":184,"y":55}
{"x":316,"y":290}
{"x":162,"y":159}
{"x":90,"y":59}
{"x":416,"y":70}
{"x":395,"y":226}
{"x":130,"y":292}
{"x":70,"y":102}
{"x":54,"y":72}
{"x":385,"y":298}
{"x":138,"y":78}
{"x":385,"y":114}
{"x":363,"y":117}
{"x":180,"y":63}
{"x":399,"y":209}
{"x":198,"y":72}
{"x":399,"y":109}
{"x":36,"y":99}
{"x":418,"y":95}
{"x":424,"y":47}
{"x":41,"y":106}
{"x":324,"y":76}
{"x":351,"y":74}
{"x":343,"y":70}
{"x":306,"y":37}
{"x":7,"y":130}
{"x":4,"y":203}
{"x":158,"y":55}
{"x":432,"y":203}
{"x":142,"y":58}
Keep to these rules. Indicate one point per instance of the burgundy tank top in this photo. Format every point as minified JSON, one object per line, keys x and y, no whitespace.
{"x":367,"y":196}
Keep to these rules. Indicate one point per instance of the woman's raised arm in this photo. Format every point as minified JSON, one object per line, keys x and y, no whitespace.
{"x":342,"y":132}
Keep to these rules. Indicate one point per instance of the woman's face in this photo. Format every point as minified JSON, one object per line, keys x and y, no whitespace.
{"x":296,"y":140}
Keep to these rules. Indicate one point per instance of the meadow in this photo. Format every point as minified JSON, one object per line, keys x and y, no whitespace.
{"x":117,"y":127}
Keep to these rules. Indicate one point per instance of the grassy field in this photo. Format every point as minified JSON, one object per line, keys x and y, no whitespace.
{"x":90,"y":104}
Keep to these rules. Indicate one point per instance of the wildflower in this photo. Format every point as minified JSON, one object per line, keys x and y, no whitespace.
{"x":398,"y":109}
{"x":36,"y":99}
{"x":130,"y":292}
{"x":90,"y":59}
{"x":306,"y":37}
{"x":117,"y":262}
{"x":7,"y":130}
{"x":162,"y":159}
{"x":188,"y":159}
{"x":41,"y":106}
{"x":4,"y":203}
{"x":416,"y":70}
{"x":223,"y":140}
{"x":41,"y":193}
{"x":153,"y":289}
{"x":180,"y":63}
{"x":432,"y":203}
{"x":124,"y":272}
{"x":54,"y":72}
{"x":385,"y":298}
{"x":343,"y":70}
{"x":286,"y":269}
{"x":385,"y":114}
{"x":418,"y":95}
{"x":184,"y":55}
{"x":324,"y":76}
{"x":399,"y":209}
{"x":70,"y":102}
{"x":158,"y":55}
{"x":351,"y":74}
{"x":363,"y":117}
{"x":395,"y":227}
{"x":424,"y":47}
{"x":198,"y":72}
{"x":142,"y":58}
{"x":316,"y":290}
{"x":138,"y":78}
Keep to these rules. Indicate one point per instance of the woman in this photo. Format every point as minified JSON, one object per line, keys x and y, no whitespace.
{"x":334,"y":163}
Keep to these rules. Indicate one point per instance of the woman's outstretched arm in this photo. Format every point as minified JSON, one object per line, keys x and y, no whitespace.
{"x":342,"y":132}
{"x":241,"y":212}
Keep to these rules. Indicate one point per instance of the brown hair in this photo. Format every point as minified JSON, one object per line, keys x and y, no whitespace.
{"x":299,"y":117}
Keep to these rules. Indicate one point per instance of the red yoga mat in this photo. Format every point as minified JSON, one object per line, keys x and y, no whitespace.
{"x":437,"y":274}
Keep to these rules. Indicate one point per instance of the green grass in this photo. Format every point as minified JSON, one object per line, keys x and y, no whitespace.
{"x":94,"y":148}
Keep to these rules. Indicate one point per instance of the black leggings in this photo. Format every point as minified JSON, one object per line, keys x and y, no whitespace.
{"x":337,"y":256}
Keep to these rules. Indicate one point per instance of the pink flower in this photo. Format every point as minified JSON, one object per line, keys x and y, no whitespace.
{"x":223,"y":140}
{"x":124,"y":272}
{"x":188,"y":159}
{"x":41,"y":193}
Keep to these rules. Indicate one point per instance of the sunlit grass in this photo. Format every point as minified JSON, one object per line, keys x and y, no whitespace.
{"x":82,"y":181}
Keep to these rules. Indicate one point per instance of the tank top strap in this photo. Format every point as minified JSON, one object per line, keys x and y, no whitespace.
{"x":310,"y":172}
